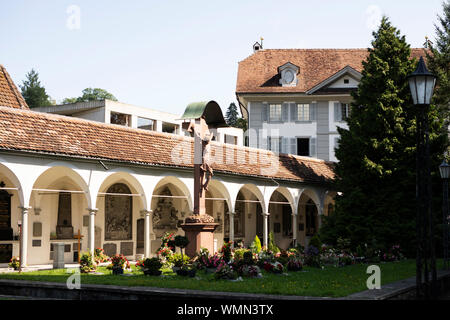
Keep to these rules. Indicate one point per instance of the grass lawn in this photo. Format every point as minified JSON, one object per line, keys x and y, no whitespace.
{"x":327,"y":282}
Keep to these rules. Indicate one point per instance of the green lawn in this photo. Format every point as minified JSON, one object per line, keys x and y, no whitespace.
{"x":329,"y":282}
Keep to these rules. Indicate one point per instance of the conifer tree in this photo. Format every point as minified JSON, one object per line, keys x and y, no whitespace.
{"x":32,"y":91}
{"x":376,"y":168}
{"x":231,"y":116}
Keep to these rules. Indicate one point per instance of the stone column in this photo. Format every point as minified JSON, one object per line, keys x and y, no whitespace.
{"x":294,"y":229}
{"x":232,"y":226}
{"x":265,"y":229}
{"x":91,"y":233}
{"x":147,"y":219}
{"x":24,"y":237}
{"x":319,"y":216}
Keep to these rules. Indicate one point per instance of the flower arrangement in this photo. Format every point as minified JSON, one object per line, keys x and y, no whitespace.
{"x":312,"y":257}
{"x":265,"y":256}
{"x":294,"y":264}
{"x":394,"y":254}
{"x":250,"y":271}
{"x":167,"y":240}
{"x":150,"y":266}
{"x":165,"y":252}
{"x":274,"y":267}
{"x":100,"y":256}
{"x":118,"y":263}
{"x":86,"y":263}
{"x":226,"y":251}
{"x":14,"y":263}
{"x":225,"y":271}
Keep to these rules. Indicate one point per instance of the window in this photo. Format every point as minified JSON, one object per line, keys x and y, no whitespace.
{"x":303,"y":112}
{"x":275,"y":144}
{"x":120,"y":119}
{"x":275,"y":112}
{"x":146,"y":124}
{"x":346,"y":81}
{"x":230,"y":139}
{"x":169,"y":127}
{"x":303,"y":147}
{"x":345,"y":111}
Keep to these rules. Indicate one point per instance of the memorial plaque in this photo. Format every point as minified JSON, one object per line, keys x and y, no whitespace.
{"x":6,"y":232}
{"x":98,"y":237}
{"x":301,"y":227}
{"x":5,"y":252}
{"x":140,"y":234}
{"x":75,"y":246}
{"x":110,"y":249}
{"x":67,"y":248}
{"x":86,"y":220}
{"x":36,"y":243}
{"x":64,"y":229}
{"x":118,"y":213}
{"x":37,"y":229}
{"x":126,"y":248}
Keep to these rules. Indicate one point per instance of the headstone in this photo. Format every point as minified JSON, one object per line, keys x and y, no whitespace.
{"x":36,"y":243}
{"x":86,"y":220}
{"x":58,"y":255}
{"x":110,"y":249}
{"x":98,"y":237}
{"x":126,"y":248}
{"x":67,"y":248}
{"x":37,"y":229}
{"x":64,"y":229}
{"x":140,"y":234}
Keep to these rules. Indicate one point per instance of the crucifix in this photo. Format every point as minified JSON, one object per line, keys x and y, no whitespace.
{"x":79,"y":237}
{"x":202,"y":162}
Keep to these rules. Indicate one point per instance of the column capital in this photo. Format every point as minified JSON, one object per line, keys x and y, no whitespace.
{"x":294,"y":214}
{"x":92,"y":211}
{"x":231,"y":213}
{"x":265,"y":214}
{"x":146,"y":212}
{"x":25,"y":209}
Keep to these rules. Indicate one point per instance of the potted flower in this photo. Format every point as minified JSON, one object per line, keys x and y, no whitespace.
{"x":294,"y":264}
{"x":14,"y":263}
{"x":100,"y":256}
{"x":119,"y":262}
{"x":86,"y":263}
{"x":177,"y":260}
{"x":224,"y":271}
{"x":150,"y":266}
{"x":274,"y":267}
{"x":250,"y":271}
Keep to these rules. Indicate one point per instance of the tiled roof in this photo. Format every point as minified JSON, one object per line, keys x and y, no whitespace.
{"x":259,"y":72}
{"x":29,"y":131}
{"x":9,"y":94}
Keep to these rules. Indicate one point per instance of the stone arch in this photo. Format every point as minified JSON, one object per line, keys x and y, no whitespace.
{"x":308,"y":215}
{"x":281,"y":208}
{"x":12,"y":181}
{"x":178,"y":187}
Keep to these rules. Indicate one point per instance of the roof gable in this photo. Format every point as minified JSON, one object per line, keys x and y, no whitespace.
{"x":349,"y":71}
{"x":9,"y":94}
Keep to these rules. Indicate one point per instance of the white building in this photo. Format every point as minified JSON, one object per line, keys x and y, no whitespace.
{"x":294,"y":99}
{"x":114,"y":112}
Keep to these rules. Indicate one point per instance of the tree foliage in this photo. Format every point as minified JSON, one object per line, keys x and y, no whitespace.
{"x":33,"y":92}
{"x":91,"y":94}
{"x":232,"y":115}
{"x":376,"y":168}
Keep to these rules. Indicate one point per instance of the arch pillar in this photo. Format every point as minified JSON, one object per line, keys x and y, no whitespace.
{"x":231,"y":213}
{"x":24,"y":237}
{"x":147,"y":220}
{"x":91,"y":232}
{"x":265,"y":228}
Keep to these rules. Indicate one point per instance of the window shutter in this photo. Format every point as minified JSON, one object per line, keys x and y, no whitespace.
{"x":313,"y":111}
{"x":337,"y":111}
{"x":284,"y":145}
{"x":265,"y":112}
{"x":294,"y":111}
{"x":293,"y":146}
{"x":312,"y":147}
{"x":285,"y":112}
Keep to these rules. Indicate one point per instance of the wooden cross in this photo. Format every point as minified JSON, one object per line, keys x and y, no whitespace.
{"x":79,"y":237}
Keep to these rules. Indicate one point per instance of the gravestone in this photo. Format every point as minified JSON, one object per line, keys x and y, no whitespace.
{"x":86,"y":220}
{"x":126,"y":248}
{"x":37,"y":229}
{"x":140,"y":236}
{"x":64,"y":229}
{"x":98,"y":237}
{"x":58,"y":255}
{"x":36,"y":243}
{"x":67,"y":248}
{"x":110,"y":249}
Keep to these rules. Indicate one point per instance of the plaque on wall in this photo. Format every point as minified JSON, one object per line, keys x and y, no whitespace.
{"x":67,"y":247}
{"x":37,"y":229}
{"x":86,"y":220}
{"x":118,"y":213}
{"x":36,"y":243}
{"x":140,"y":234}
{"x":5,"y":252}
{"x":126,"y":248}
{"x":110,"y":249}
{"x":165,"y":216}
{"x":75,"y":246}
{"x":276,"y":227}
{"x":301,"y":227}
{"x":6,"y":232}
{"x":64,"y":229}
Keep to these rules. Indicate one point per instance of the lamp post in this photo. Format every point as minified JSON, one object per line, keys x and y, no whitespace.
{"x":421,"y":85}
{"x":444,"y":170}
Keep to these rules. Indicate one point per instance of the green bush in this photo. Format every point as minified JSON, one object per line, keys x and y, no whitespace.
{"x":255,"y":247}
{"x":248,"y":258}
{"x":272,"y":246}
{"x":86,"y":263}
{"x":179,"y":260}
{"x":315,"y":241}
{"x":239,"y":253}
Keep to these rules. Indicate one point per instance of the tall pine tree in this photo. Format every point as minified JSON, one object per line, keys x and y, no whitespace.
{"x":32,"y":91}
{"x":231,"y":116}
{"x":376,"y":168}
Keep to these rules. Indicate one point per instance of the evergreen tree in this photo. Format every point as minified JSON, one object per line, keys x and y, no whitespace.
{"x":231,"y":117}
{"x":32,"y":91}
{"x":376,"y":168}
{"x":90,"y":94}
{"x":438,"y":59}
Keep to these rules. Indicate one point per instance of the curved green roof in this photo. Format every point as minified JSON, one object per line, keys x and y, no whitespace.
{"x":209,"y":109}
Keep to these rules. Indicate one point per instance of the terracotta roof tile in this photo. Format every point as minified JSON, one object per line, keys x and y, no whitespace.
{"x":30,"y":131}
{"x":9,"y":94}
{"x":259,"y":72}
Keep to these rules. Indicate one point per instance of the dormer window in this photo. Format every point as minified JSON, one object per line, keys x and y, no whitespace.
{"x":288,"y":74}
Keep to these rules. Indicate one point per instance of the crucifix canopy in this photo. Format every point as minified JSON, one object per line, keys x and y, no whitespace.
{"x":210,"y":110}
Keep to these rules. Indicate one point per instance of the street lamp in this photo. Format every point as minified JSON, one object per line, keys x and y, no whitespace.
{"x":421,"y":85}
{"x":444,"y":169}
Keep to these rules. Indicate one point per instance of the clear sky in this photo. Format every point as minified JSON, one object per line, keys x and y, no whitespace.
{"x":165,"y":54}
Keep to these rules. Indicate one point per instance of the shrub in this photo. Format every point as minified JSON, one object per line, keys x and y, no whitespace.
{"x":224,"y":271}
{"x":14,"y":263}
{"x":239,"y":253}
{"x":315,"y":241}
{"x":265,"y":256}
{"x":255,"y":247}
{"x":167,"y":240}
{"x":272,"y":246}
{"x":150,"y":266}
{"x":178,"y":260}
{"x":343,"y":245}
{"x":86,"y":263}
{"x":312,"y":257}
{"x":282,"y":257}
{"x":250,"y":271}
{"x":248,"y":258}
{"x":294,"y":264}
{"x":120,"y":262}
{"x":226,"y":251}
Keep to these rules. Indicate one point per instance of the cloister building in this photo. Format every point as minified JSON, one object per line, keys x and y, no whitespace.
{"x":122,"y":188}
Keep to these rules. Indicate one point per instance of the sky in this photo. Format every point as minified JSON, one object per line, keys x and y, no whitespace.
{"x":167,"y":54}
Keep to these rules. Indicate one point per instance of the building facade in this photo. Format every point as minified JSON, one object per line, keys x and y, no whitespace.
{"x":295,"y":99}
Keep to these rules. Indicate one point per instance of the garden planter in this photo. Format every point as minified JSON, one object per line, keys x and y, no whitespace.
{"x":117,"y":271}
